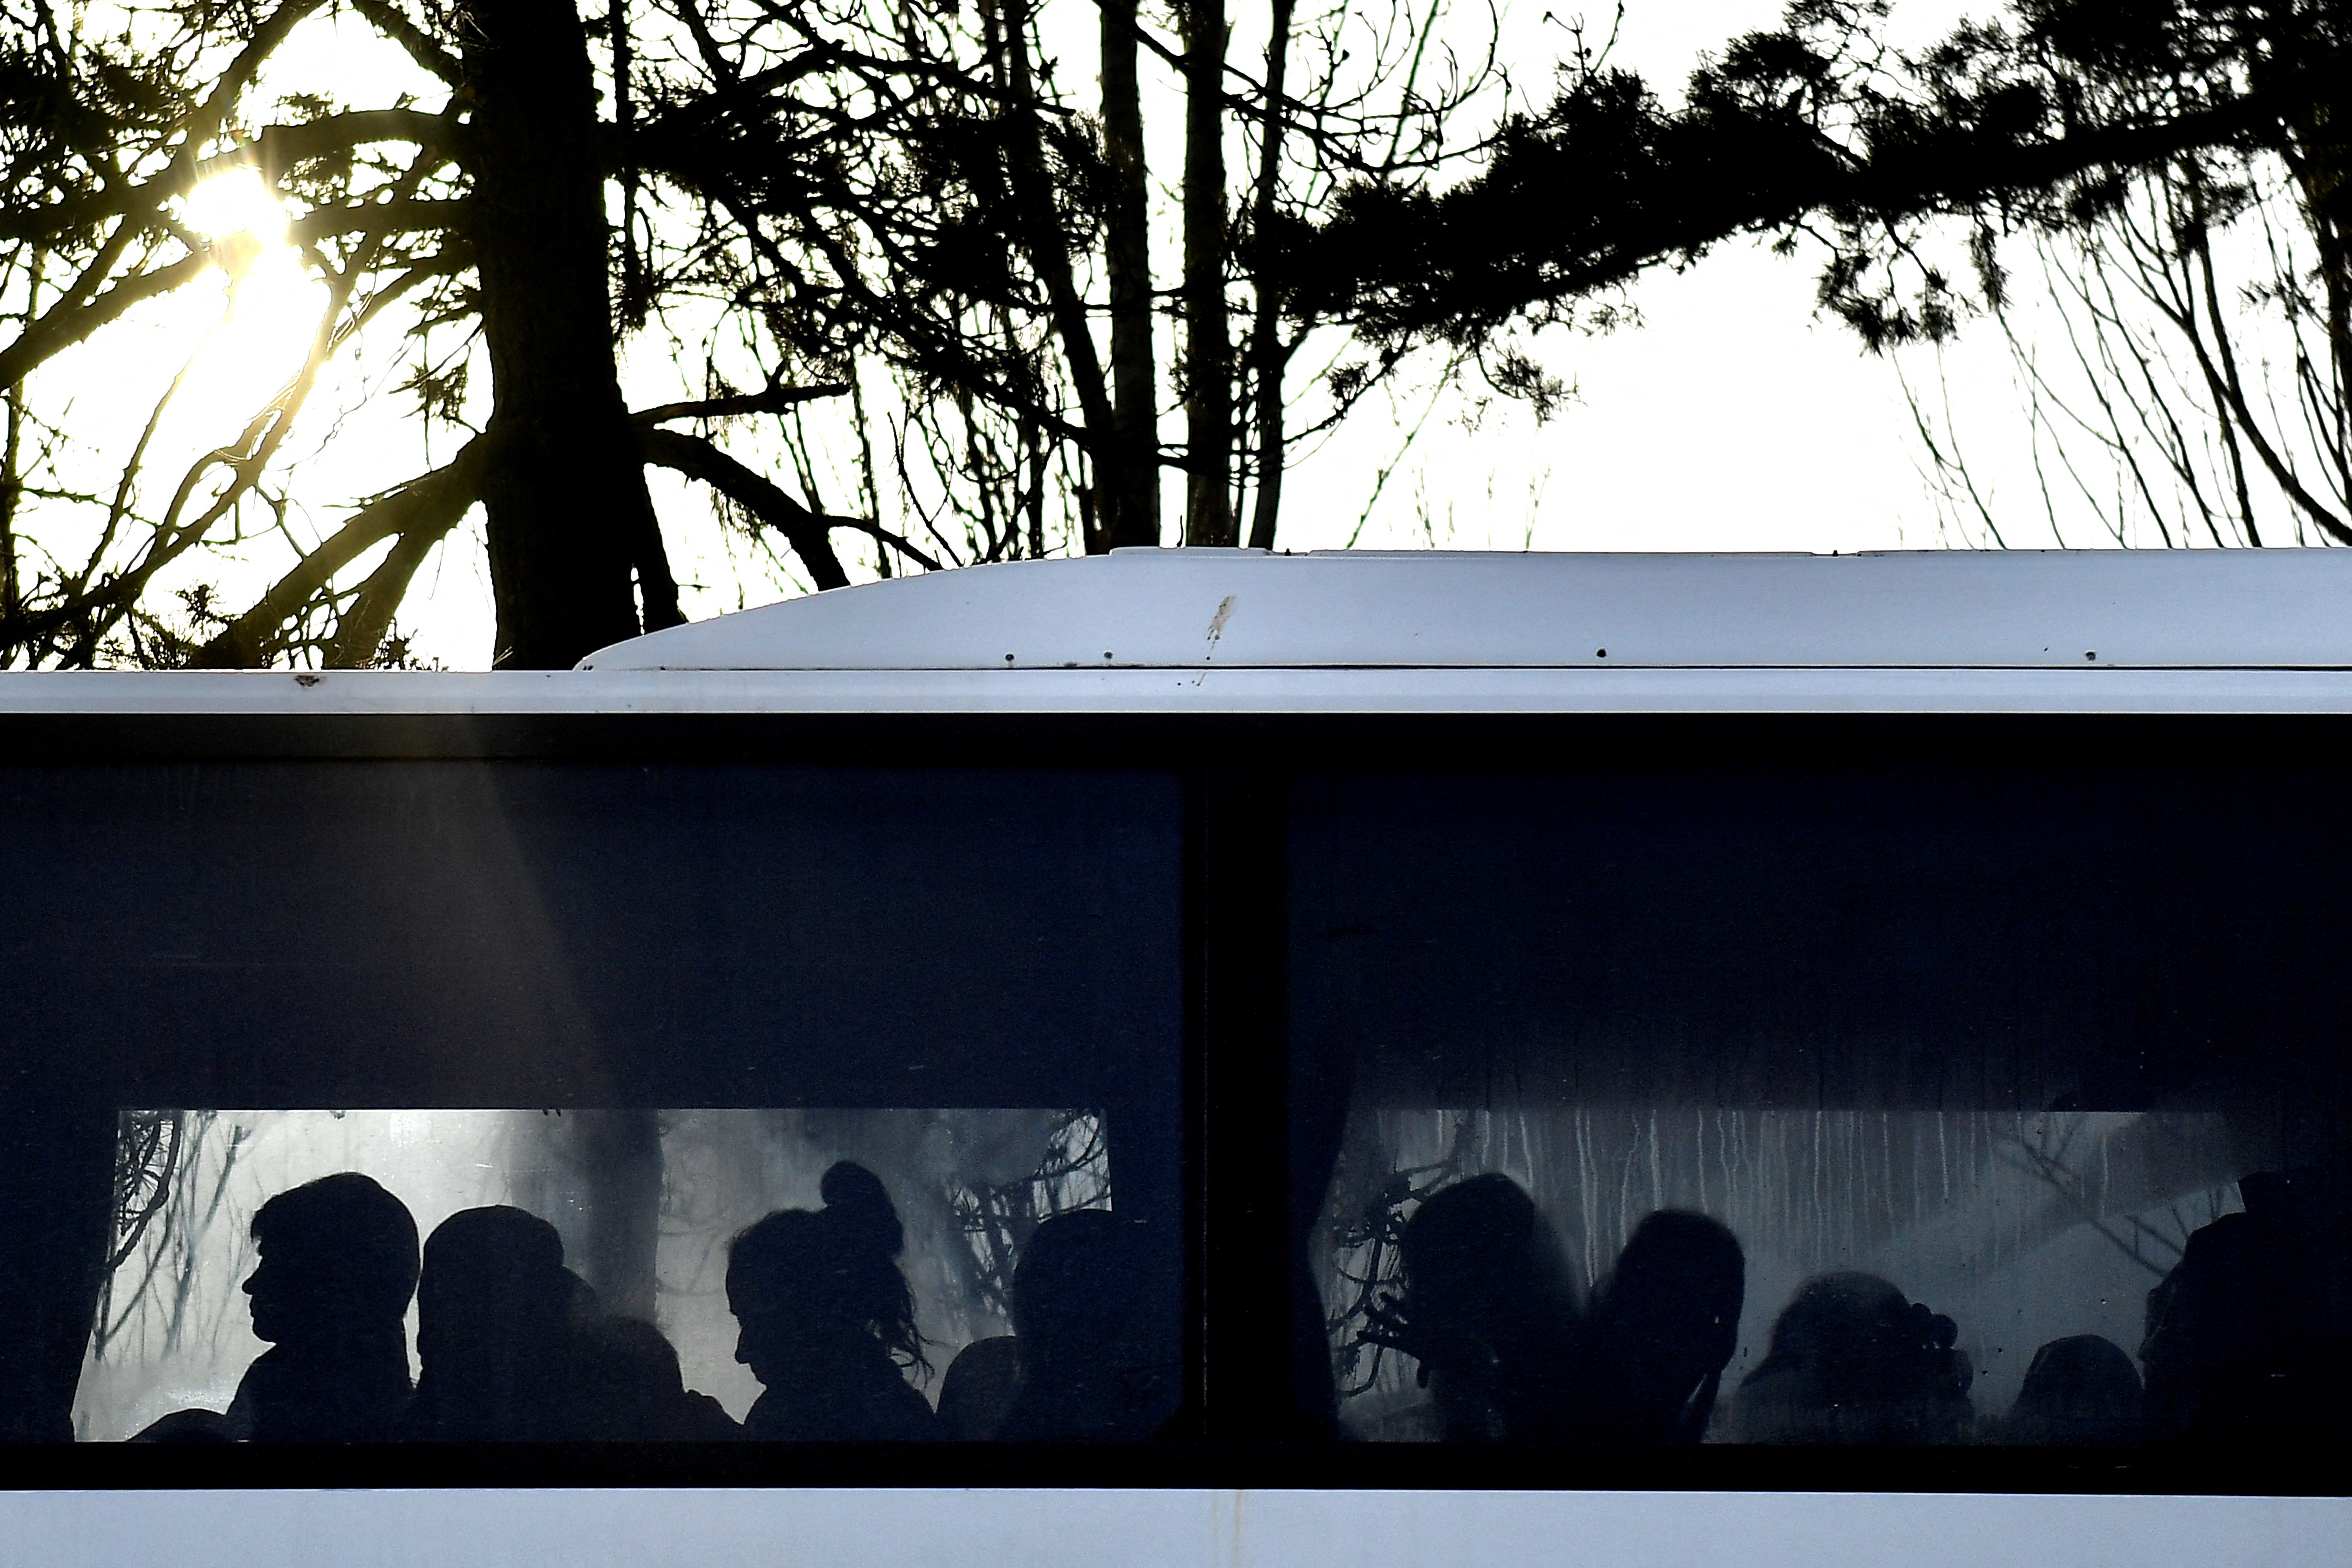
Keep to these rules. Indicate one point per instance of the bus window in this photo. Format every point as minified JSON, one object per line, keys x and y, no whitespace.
{"x":966,"y":1191}
{"x":468,"y":1102}
{"x":1863,"y":1104}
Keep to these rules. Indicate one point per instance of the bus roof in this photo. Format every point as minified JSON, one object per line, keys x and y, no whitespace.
{"x":1246,"y":609}
{"x":1235,"y":631}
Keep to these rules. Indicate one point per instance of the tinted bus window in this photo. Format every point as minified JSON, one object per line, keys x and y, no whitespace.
{"x":361,"y":1101}
{"x":1869,"y":1105}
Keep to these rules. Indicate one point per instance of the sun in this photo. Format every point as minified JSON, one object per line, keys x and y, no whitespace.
{"x":238,"y":202}
{"x":260,"y":327}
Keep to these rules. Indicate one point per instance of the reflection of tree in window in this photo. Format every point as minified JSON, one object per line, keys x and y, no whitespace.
{"x":172,"y":1180}
{"x":146,"y":1150}
{"x":998,"y":1218}
{"x":1369,"y":1267}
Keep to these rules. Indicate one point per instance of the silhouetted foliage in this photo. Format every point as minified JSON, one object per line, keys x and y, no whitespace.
{"x":1819,"y":127}
{"x":2202,"y":395}
{"x":806,"y":191}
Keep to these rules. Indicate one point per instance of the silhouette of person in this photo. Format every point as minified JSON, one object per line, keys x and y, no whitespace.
{"x":1489,"y":1313}
{"x":1095,"y":1332}
{"x":827,"y":1321}
{"x":330,"y":1293}
{"x":978,"y":1392}
{"x":2080,"y":1392}
{"x":2245,"y":1337}
{"x":625,"y":1386}
{"x":495,"y":1307}
{"x":1660,"y":1330}
{"x":1851,"y":1361}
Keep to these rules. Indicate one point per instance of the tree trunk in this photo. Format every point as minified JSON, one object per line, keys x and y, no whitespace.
{"x":1130,"y":489}
{"x":1208,"y":342}
{"x":600,"y":1183}
{"x":1269,"y":356}
{"x":568,"y":513}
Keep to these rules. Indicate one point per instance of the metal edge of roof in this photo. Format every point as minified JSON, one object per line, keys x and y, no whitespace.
{"x":1397,"y":692}
{"x":1226,"y":609}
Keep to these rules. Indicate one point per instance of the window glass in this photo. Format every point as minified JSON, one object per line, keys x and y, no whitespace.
{"x":461,"y":1103}
{"x":968,"y":1188}
{"x":1879,"y":1104}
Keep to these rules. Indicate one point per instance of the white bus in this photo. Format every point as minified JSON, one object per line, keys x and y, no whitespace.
{"x":1647,"y":1058}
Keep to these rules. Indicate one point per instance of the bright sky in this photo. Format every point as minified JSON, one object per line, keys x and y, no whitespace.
{"x":1731,"y":417}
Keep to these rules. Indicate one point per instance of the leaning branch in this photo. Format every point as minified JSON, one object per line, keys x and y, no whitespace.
{"x":431,"y":503}
{"x":808,"y":533}
{"x":1570,"y":205}
{"x":61,"y":328}
{"x":774,"y":400}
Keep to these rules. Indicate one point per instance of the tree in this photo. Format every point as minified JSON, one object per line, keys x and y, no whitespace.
{"x":2202,"y":386}
{"x":799,"y":195}
{"x":983,"y":287}
{"x":114,"y":137}
{"x":1817,"y":128}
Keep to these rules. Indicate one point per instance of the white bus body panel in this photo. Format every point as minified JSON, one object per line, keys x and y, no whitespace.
{"x":1117,"y":1528}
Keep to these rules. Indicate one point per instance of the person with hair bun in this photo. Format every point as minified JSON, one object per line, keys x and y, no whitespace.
{"x":827,"y":1321}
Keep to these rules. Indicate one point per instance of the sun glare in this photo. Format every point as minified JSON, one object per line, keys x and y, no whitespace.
{"x":235,"y":203}
{"x":259,"y":328}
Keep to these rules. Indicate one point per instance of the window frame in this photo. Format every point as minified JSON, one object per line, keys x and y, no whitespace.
{"x":1238,"y":1424}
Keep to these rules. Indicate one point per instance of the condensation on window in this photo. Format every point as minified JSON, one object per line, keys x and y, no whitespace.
{"x":2022,"y":1230}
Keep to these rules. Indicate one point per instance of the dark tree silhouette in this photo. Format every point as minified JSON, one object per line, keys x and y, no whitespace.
{"x":487,"y":217}
{"x":846,"y":199}
{"x":1817,"y":127}
{"x":2202,"y":388}
{"x":563,"y":493}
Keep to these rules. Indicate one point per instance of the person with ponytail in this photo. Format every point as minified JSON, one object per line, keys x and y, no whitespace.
{"x":827,"y":1321}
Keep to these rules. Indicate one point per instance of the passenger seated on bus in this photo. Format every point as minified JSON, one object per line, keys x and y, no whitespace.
{"x":2245,"y":1337}
{"x":331,"y":1296}
{"x":495,"y":1307}
{"x":1488,"y":1311}
{"x":1096,"y":1332}
{"x":2080,"y":1392}
{"x":1852,"y":1362}
{"x":1660,"y":1330}
{"x":625,"y":1387}
{"x":827,"y":1321}
{"x":978,"y":1392}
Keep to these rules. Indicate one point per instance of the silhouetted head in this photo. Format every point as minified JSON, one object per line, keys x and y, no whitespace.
{"x":1664,"y":1325}
{"x":1093,"y":1318}
{"x":805,"y":1283}
{"x":1081,"y":1277}
{"x":337,"y":1254}
{"x":1476,"y":1257}
{"x":2246,"y":1336}
{"x":2079,"y":1391}
{"x":979,"y":1388}
{"x":1487,"y":1309}
{"x":1679,"y":1285}
{"x":493,"y":1280}
{"x":1854,"y":1360}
